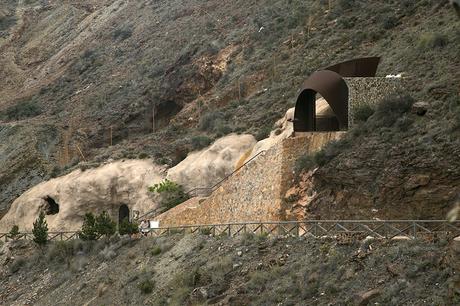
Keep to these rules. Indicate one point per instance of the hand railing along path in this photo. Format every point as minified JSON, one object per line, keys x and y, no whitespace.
{"x":200,"y":191}
{"x":206,"y":191}
{"x":358,"y":229}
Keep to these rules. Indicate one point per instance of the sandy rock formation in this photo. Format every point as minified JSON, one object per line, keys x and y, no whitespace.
{"x":284,"y":128}
{"x":210,"y":165}
{"x":94,"y":190}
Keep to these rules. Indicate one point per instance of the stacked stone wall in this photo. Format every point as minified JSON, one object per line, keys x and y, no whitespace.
{"x":257,"y":191}
{"x":369,"y":91}
{"x":251,"y":194}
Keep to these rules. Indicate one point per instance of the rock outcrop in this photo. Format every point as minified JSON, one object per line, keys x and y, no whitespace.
{"x":66,"y":199}
{"x":210,"y":165}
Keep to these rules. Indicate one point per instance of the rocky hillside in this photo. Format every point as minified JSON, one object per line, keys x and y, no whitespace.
{"x":84,"y":81}
{"x":249,"y":270}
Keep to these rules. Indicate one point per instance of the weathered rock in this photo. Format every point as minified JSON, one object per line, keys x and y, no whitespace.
{"x":209,"y":166}
{"x":416,"y":181}
{"x":456,"y":244}
{"x":363,"y":299}
{"x":94,"y":190}
{"x":420,"y":108}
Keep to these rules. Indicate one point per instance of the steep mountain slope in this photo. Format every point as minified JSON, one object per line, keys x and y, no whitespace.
{"x":77,"y":76}
{"x":247,"y":270}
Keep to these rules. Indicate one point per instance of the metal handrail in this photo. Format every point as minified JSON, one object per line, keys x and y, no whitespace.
{"x":155,"y":210}
{"x":218,"y":184}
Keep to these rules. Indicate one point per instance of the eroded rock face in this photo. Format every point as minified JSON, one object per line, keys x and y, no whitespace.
{"x":94,"y":190}
{"x":210,"y":165}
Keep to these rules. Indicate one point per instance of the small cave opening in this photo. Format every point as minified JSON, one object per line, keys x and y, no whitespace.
{"x":52,"y":207}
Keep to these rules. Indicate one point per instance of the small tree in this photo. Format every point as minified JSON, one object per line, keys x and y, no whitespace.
{"x":40,"y":230}
{"x":105,"y":226}
{"x":88,"y":229}
{"x":172,"y":194}
{"x":14,"y":232}
{"x":128,"y":228}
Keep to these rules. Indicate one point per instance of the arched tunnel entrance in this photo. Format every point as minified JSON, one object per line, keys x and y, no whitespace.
{"x":331,"y":85}
{"x":333,"y":88}
{"x":123,"y":213}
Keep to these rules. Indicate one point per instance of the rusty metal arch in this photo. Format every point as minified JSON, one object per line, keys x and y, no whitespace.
{"x":359,"y":67}
{"x":333,"y":88}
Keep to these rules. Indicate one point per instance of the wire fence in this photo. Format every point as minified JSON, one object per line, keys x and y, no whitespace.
{"x":405,"y":229}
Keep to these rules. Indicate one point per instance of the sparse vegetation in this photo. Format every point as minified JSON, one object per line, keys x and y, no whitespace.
{"x":14,"y":232}
{"x":200,"y":142}
{"x":172,"y":194}
{"x":156,"y":250}
{"x":429,"y":41}
{"x":127,"y":227}
{"x":22,"y":110}
{"x":363,"y":112}
{"x":17,"y":264}
{"x":146,"y":286}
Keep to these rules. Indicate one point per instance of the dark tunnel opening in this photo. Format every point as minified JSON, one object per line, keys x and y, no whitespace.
{"x":52,"y":207}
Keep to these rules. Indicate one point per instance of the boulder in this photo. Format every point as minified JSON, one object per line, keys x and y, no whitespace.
{"x":364,"y":298}
{"x":416,"y":181}
{"x":210,"y":165}
{"x":420,"y":108}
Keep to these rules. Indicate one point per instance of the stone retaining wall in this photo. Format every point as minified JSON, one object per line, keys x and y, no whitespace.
{"x":256,"y":192}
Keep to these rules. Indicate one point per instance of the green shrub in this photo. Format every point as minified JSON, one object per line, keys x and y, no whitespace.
{"x":363,"y":112}
{"x":165,"y":186}
{"x":17,"y":264}
{"x":128,"y":228}
{"x":205,"y":231}
{"x":391,"y":108}
{"x":215,"y":122}
{"x":21,"y":111}
{"x":122,"y":33}
{"x":304,"y":162}
{"x":156,"y":250}
{"x":143,"y":155}
{"x":88,"y":229}
{"x":343,"y":5}
{"x":61,"y":251}
{"x":404,"y":123}
{"x":390,"y":22}
{"x":432,"y":40}
{"x":105,"y":226}
{"x":264,"y":132}
{"x":14,"y":232}
{"x":172,"y":194}
{"x":200,"y":142}
{"x":40,"y":230}
{"x":146,"y":286}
